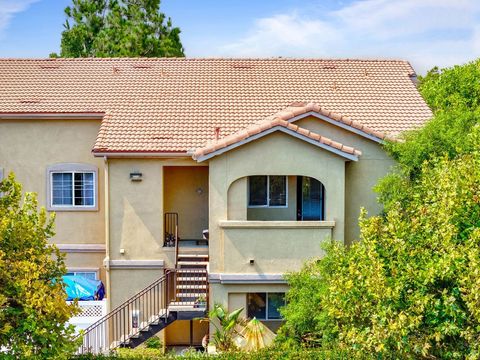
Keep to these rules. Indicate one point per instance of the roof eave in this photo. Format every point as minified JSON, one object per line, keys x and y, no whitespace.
{"x":339,"y":124}
{"x":201,"y":158}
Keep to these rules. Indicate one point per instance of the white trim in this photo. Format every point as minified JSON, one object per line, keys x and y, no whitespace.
{"x":271,"y":130}
{"x":337,"y":123}
{"x":71,"y":168}
{"x":53,"y":116}
{"x":75,"y":270}
{"x":268,"y":206}
{"x":253,"y":224}
{"x":136,"y":264}
{"x":81,"y":248}
{"x":223,"y":278}
{"x":142,"y":154}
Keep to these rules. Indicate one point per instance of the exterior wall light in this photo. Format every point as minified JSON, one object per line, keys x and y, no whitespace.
{"x":136,"y":176}
{"x":252,"y":261}
{"x":199,"y":191}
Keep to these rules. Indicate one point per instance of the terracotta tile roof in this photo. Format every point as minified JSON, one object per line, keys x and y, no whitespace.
{"x":175,"y":105}
{"x":279,"y":120}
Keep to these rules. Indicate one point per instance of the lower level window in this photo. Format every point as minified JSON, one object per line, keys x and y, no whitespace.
{"x":265,"y":306}
{"x":91,"y":275}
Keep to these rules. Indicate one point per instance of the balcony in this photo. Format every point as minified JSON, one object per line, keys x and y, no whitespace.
{"x":271,"y":247}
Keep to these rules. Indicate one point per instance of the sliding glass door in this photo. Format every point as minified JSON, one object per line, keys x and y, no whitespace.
{"x":310,"y":199}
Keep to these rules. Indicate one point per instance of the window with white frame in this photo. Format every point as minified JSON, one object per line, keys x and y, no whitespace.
{"x":265,"y":306}
{"x":72,"y":187}
{"x":91,"y":275}
{"x":267,"y":191}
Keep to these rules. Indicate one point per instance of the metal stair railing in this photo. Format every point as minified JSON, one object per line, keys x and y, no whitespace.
{"x":147,"y":308}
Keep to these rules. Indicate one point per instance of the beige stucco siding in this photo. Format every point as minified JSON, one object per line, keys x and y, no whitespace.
{"x":360,"y":176}
{"x":136,"y":209}
{"x":137,"y":212}
{"x":275,"y":154}
{"x":186,"y":193}
{"x":28,"y":147}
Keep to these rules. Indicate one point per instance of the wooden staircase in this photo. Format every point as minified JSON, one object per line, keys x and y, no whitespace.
{"x":192,"y":280}
{"x":179,"y":294}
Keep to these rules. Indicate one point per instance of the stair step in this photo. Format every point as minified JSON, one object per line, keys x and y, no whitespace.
{"x":201,"y":271}
{"x":174,"y":304}
{"x":193,"y":256}
{"x":191,"y":278}
{"x":192,"y":286}
{"x":193,"y":263}
{"x":192,"y":295}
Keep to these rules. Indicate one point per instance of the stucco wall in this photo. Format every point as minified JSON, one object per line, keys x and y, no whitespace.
{"x":136,"y":217}
{"x":186,"y":193}
{"x":281,"y":154}
{"x":28,"y":147}
{"x":360,"y":176}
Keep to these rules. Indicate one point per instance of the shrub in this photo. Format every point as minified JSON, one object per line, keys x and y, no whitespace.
{"x":33,"y":308}
{"x":410,"y":288}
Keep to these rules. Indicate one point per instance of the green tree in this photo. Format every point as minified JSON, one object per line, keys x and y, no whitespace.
{"x":33,"y":308}
{"x":453,"y":94}
{"x":411,"y":287}
{"x":119,"y":28}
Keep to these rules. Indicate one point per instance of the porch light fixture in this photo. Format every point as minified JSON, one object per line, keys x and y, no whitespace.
{"x":136,"y":176}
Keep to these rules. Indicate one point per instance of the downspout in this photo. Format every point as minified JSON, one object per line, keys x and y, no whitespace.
{"x":106,"y":262}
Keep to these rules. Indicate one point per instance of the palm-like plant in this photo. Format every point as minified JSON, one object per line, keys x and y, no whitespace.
{"x":225,"y":324}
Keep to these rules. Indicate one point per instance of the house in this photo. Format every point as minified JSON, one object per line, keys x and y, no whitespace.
{"x":228,"y":172}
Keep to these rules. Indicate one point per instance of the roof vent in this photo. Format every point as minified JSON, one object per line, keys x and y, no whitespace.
{"x":329,"y":66}
{"x":49,"y":66}
{"x":29,"y":101}
{"x":242,"y":66}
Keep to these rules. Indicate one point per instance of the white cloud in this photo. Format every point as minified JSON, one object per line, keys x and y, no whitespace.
{"x":9,"y":8}
{"x":426,"y":32}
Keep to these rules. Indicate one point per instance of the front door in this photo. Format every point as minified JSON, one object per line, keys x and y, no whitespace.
{"x":310,"y":199}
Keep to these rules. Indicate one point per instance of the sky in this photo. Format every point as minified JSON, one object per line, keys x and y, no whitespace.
{"x":425,"y":32}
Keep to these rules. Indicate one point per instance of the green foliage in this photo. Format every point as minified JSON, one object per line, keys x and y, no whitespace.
{"x":296,"y":353}
{"x":411,"y":287}
{"x":454,"y":96}
{"x":33,"y":308}
{"x":118,"y":28}
{"x":154,"y":343}
{"x":225,"y":324}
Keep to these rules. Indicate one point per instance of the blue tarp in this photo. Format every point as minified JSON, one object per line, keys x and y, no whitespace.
{"x":81,"y":288}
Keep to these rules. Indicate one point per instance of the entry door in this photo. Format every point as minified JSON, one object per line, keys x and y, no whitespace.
{"x":310,"y":199}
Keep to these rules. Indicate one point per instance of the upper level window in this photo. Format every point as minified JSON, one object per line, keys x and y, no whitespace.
{"x":267,"y":191}
{"x":72,"y":187}
{"x":265,"y":306}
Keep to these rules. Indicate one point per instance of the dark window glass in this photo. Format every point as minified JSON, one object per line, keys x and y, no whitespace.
{"x":257,"y":305}
{"x":61,"y":189}
{"x":312,"y":199}
{"x":84,"y":189}
{"x":258,"y":191}
{"x":278,"y":190}
{"x":275,"y":302}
